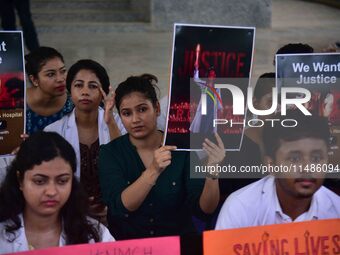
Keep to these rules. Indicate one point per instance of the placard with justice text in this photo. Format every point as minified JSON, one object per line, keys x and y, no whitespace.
{"x":319,"y":74}
{"x":208,"y":64}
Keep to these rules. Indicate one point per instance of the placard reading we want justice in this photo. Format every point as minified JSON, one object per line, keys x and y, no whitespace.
{"x":319,"y":75}
{"x":309,"y":69}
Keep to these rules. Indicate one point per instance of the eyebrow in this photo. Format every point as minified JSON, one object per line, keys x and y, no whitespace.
{"x":45,"y":176}
{"x":53,"y":70}
{"x":313,"y":151}
{"x":142,"y":104}
{"x":79,"y":80}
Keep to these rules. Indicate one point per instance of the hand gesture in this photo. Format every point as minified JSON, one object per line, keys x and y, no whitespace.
{"x":162,"y":158}
{"x":109,"y":103}
{"x":216,"y":153}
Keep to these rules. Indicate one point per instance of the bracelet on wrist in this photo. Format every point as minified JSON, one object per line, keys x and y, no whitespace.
{"x":212,"y":175}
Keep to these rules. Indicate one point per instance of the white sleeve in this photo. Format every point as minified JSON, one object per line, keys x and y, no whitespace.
{"x":55,"y":127}
{"x":106,"y":235}
{"x":233,"y":214}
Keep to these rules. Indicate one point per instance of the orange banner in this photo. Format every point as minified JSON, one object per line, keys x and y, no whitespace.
{"x":320,"y":237}
{"x":148,"y":246}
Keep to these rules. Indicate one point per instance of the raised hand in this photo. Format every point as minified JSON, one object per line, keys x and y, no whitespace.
{"x":216,"y":153}
{"x":109,"y":103}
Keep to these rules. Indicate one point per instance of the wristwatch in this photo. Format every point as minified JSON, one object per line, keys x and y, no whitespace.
{"x":212,"y":175}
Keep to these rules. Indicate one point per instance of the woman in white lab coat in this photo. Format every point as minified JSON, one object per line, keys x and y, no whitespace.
{"x":41,"y":202}
{"x":88,"y":125}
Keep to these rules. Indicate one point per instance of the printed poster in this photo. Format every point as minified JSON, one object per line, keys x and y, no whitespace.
{"x":206,"y":60}
{"x":301,"y":238}
{"x":319,"y":73}
{"x":12,"y":91}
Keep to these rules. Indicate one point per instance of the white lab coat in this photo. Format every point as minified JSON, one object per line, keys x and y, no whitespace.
{"x":67,"y":128}
{"x":20,"y":242}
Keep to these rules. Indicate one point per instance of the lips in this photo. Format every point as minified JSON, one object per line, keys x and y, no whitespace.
{"x":85,"y":101}
{"x":61,"y":88}
{"x":306,"y":182}
{"x":50,"y":203}
{"x":138,"y":128}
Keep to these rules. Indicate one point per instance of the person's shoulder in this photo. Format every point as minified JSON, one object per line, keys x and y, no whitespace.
{"x":116,"y":144}
{"x":249,"y":194}
{"x":8,"y":237}
{"x":328,"y":199}
{"x":56,"y":126}
{"x":243,"y":206}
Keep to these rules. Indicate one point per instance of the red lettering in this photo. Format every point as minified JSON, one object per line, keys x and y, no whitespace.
{"x":205,"y":62}
{"x":274,"y":247}
{"x":314,"y":246}
{"x":237,"y":248}
{"x":240,"y":64}
{"x":246,"y":250}
{"x":226,"y":64}
{"x":336,"y":241}
{"x":215,"y":58}
{"x":296,"y":246}
{"x":222,"y":65}
{"x":324,"y":246}
{"x":258,"y":250}
{"x":230,"y":57}
{"x":283,"y":250}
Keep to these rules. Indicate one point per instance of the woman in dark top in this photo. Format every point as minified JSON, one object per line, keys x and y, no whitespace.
{"x":46,"y":100}
{"x":146,"y":186}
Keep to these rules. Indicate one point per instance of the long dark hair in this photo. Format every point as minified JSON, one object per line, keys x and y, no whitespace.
{"x":39,"y":147}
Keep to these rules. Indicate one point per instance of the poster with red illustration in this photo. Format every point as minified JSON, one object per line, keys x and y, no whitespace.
{"x":12,"y":91}
{"x":210,"y":74}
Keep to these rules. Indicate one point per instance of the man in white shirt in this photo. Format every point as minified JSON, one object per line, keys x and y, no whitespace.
{"x":286,"y":197}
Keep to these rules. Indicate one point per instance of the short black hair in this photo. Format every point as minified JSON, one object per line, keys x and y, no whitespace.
{"x":91,"y":65}
{"x":294,"y":48}
{"x":308,"y":127}
{"x":264,"y":85}
{"x":144,"y":84}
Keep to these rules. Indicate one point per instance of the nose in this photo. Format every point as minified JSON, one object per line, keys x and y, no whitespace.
{"x":51,"y":189}
{"x":85,"y":90}
{"x":61,"y":77}
{"x":135,"y":117}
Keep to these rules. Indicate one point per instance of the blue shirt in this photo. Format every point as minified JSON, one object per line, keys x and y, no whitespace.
{"x":36,"y":122}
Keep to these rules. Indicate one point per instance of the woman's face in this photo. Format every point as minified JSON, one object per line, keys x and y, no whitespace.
{"x":51,"y":79}
{"x":138,"y":115}
{"x":47,"y":187}
{"x":85,"y":91}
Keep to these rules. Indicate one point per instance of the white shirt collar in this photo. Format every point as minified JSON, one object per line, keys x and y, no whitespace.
{"x":269,"y":189}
